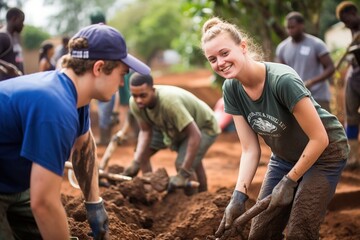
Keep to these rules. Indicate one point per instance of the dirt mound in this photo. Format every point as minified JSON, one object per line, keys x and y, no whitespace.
{"x":137,"y":211}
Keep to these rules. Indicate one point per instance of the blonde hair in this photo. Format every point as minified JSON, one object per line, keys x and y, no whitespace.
{"x":81,"y":66}
{"x":215,"y":26}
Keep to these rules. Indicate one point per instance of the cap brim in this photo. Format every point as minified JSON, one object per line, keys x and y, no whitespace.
{"x":136,"y":65}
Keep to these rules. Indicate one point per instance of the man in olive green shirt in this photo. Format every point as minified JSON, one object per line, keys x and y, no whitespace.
{"x":171,"y":117}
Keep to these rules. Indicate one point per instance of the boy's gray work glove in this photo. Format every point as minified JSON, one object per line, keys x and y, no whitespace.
{"x":283,"y":193}
{"x":234,"y":209}
{"x":180,"y":180}
{"x":98,"y":219}
{"x":133,"y":169}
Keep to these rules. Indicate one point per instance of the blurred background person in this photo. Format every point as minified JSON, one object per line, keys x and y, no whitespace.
{"x":46,"y":54}
{"x":61,"y":50}
{"x":225,"y":120}
{"x":347,"y":12}
{"x":11,"y":56}
{"x":128,"y":125}
{"x":310,"y":58}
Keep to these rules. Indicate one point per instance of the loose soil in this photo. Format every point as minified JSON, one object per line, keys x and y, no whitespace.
{"x":137,"y":211}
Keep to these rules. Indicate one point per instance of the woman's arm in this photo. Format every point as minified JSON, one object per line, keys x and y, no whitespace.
{"x":250,"y":155}
{"x":310,"y":122}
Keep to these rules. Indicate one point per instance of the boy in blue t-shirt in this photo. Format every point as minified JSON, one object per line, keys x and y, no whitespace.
{"x":44,"y":119}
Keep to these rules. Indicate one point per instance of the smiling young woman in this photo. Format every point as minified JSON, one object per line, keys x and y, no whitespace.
{"x":309,"y":146}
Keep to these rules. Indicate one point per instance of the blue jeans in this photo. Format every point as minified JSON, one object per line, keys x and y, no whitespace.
{"x":312,"y":196}
{"x":104,"y":111}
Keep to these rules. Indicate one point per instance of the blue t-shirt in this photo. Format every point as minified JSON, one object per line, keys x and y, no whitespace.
{"x":39,"y":122}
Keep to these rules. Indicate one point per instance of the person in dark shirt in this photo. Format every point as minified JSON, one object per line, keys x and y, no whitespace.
{"x":11,"y":58}
{"x":347,"y":12}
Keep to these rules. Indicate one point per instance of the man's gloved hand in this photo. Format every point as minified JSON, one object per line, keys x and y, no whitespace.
{"x":234,"y":209}
{"x":180,"y":180}
{"x":133,"y":169}
{"x":98,"y":219}
{"x":283,"y":193}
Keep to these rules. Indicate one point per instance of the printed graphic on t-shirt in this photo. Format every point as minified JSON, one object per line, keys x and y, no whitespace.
{"x":265,"y":124}
{"x":18,"y":50}
{"x":305,"y":50}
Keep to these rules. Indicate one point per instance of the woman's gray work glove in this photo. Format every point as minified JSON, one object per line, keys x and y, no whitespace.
{"x":133,"y":169}
{"x":234,"y":209}
{"x":283,"y":193}
{"x":98,"y":219}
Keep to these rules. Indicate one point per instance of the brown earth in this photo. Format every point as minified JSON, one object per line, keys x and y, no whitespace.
{"x":137,"y":211}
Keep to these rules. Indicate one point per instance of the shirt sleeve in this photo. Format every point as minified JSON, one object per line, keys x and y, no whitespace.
{"x":320,"y":48}
{"x":230,"y":97}
{"x":290,"y":89}
{"x":49,"y":135}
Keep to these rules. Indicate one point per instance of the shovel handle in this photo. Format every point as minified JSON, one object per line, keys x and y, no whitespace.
{"x":255,"y":210}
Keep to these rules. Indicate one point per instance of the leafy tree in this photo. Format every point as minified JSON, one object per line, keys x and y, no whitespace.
{"x":264,"y":19}
{"x":150,"y":26}
{"x":32,"y":37}
{"x":74,"y":14}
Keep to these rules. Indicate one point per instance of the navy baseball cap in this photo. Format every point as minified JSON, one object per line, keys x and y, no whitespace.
{"x":107,"y":43}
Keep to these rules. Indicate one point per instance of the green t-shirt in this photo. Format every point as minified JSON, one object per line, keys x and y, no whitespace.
{"x":271,"y":116}
{"x":175,"y":109}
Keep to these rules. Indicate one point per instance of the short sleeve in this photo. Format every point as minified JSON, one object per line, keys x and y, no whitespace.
{"x":49,"y":135}
{"x":321,"y":48}
{"x":229,"y":93}
{"x":290,"y":89}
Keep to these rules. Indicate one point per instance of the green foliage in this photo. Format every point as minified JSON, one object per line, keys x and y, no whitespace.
{"x":150,"y":26}
{"x":262,"y":20}
{"x":188,"y":43}
{"x":32,"y":37}
{"x":75,"y":14}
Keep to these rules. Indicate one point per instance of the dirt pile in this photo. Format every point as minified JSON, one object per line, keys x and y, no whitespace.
{"x":137,"y":211}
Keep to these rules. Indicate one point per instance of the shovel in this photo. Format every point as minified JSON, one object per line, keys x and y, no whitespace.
{"x":255,"y":210}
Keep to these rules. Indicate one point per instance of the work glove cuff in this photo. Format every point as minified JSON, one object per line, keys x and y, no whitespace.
{"x":184,"y":173}
{"x":97,"y":218}
{"x":289,"y":182}
{"x":239,"y":197}
{"x":94,"y":206}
